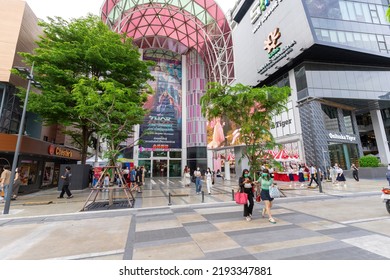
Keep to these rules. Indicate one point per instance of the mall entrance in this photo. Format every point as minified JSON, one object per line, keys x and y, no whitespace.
{"x":162,"y":167}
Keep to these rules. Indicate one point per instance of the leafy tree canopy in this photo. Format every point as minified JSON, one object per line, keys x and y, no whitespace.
{"x":252,"y":109}
{"x":85,"y":68}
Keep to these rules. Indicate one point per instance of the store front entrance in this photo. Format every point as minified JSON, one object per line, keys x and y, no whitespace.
{"x":343,"y":154}
{"x":160,"y":168}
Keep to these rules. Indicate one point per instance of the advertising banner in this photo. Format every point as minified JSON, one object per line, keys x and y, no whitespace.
{"x":162,"y":126}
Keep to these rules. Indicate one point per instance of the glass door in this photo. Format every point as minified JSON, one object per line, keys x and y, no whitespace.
{"x":160,"y":168}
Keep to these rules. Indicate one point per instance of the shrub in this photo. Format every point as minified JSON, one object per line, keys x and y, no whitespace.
{"x":369,"y":161}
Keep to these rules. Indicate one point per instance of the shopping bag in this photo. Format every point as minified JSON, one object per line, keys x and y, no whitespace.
{"x":274,"y":191}
{"x":241,"y":197}
{"x":258,"y":198}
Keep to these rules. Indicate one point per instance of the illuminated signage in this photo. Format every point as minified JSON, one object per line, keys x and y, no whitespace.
{"x":267,"y":6}
{"x":61,"y":152}
{"x":342,"y":137}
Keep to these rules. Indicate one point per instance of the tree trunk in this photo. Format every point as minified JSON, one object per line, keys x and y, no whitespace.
{"x":84,"y":146}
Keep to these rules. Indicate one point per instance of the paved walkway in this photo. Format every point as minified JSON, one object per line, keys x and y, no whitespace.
{"x":343,"y":222}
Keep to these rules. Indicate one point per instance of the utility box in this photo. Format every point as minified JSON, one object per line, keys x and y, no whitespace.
{"x":80,"y":176}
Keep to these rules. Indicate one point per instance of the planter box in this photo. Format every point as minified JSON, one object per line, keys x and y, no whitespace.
{"x":368,"y":173}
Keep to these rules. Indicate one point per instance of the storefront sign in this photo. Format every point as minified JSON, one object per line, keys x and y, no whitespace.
{"x":276,"y":57}
{"x":342,"y":137}
{"x":61,"y":152}
{"x":283,"y":123}
{"x":258,"y":9}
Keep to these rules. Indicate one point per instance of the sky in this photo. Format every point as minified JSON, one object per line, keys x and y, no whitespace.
{"x":68,"y":9}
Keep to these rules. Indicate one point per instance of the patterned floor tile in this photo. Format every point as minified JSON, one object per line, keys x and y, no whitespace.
{"x":375,"y":243}
{"x":214,"y":241}
{"x":177,"y":251}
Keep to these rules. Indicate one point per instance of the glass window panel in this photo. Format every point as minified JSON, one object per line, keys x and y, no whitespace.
{"x":382,"y":14}
{"x":330,"y":118}
{"x":351,"y":11}
{"x":145,"y":154}
{"x":358,"y":10}
{"x":349,"y":36}
{"x":333,"y":36}
{"x":175,"y":168}
{"x":324,"y":33}
{"x":300,"y":78}
{"x":344,"y":10}
{"x":380,"y":37}
{"x":175,"y":154}
{"x":382,"y":46}
{"x":341,"y":35}
{"x":357,"y":37}
{"x":366,"y":12}
{"x":374,"y":16}
{"x":348,"y":122}
{"x":160,"y":154}
{"x":365,"y":37}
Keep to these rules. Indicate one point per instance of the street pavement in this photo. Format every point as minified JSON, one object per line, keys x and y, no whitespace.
{"x":171,"y":222}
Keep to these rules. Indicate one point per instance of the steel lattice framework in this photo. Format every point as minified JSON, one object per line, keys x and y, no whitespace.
{"x":178,"y":26}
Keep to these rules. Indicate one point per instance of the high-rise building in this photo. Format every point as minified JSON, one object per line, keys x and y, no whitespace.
{"x":334,"y":55}
{"x":43,"y":149}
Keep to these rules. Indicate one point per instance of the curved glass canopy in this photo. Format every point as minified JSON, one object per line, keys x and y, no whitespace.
{"x":178,"y":26}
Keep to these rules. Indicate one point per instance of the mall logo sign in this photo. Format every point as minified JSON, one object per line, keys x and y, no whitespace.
{"x":275,"y":52}
{"x":267,"y":6}
{"x":271,"y":45}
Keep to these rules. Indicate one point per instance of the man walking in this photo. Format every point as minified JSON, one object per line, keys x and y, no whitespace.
{"x":355,"y":173}
{"x":65,"y":186}
{"x":5,"y":181}
{"x":313,"y":175}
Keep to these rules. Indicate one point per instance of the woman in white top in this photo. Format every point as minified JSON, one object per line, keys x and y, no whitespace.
{"x":209,"y":179}
{"x":186,"y":176}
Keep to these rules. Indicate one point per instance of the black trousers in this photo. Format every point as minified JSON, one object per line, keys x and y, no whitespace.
{"x":355,"y":175}
{"x":313,"y":178}
{"x":65,"y":189}
{"x":248,"y":209}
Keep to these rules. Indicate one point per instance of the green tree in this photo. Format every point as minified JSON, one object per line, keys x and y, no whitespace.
{"x":86,"y":69}
{"x":252,"y":109}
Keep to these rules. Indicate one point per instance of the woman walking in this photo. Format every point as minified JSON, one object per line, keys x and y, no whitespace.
{"x":245,"y":183}
{"x":186,"y":176}
{"x":209,"y":179}
{"x":265,"y":182}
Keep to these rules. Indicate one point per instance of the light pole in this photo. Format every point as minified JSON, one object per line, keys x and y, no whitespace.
{"x":2,"y":101}
{"x":31,"y":81}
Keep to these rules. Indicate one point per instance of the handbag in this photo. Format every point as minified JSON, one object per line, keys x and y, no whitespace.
{"x":274,"y":191}
{"x":258,"y":198}
{"x":241,"y":197}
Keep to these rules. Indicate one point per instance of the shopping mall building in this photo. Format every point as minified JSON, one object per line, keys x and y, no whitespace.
{"x":334,"y":55}
{"x":43,"y":149}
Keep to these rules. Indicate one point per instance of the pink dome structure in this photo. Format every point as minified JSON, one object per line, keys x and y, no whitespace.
{"x":178,"y":26}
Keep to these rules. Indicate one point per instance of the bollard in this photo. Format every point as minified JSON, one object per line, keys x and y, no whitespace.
{"x":169,"y":199}
{"x":202,"y":196}
{"x":233,"y":195}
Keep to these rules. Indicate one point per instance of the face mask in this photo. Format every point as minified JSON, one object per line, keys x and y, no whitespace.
{"x":265,"y":175}
{"x":198,"y":169}
{"x":246,"y":175}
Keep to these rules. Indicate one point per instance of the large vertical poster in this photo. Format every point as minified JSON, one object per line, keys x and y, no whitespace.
{"x":162,"y":126}
{"x":48,"y":173}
